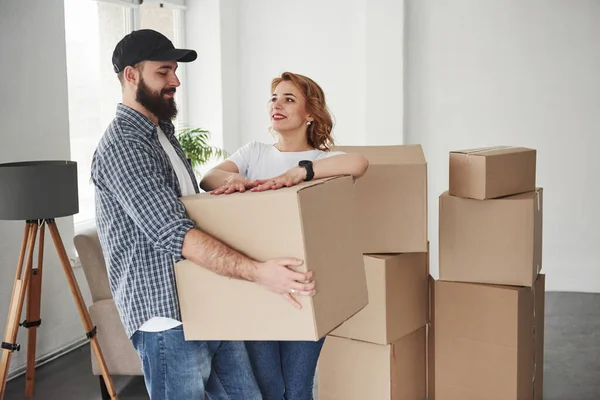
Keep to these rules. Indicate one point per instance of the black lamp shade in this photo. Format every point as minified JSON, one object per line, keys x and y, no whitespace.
{"x":32,"y":190}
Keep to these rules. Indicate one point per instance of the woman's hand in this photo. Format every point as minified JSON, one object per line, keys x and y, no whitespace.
{"x":292,"y":177}
{"x":235,"y":183}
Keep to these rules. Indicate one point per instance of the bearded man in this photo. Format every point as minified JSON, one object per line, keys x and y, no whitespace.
{"x":140,"y":171}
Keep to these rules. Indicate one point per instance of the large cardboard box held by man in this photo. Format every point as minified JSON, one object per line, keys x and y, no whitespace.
{"x":354,"y":370}
{"x":491,"y":241}
{"x":398,"y":299}
{"x":492,"y":172}
{"x":313,"y":221}
{"x":489,"y":341}
{"x":392,"y":199}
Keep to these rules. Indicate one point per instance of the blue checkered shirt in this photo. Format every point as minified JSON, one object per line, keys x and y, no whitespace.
{"x":141,"y":222}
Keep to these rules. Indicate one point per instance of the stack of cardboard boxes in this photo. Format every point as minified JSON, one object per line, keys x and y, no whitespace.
{"x":392,"y":332}
{"x":380,"y":353}
{"x":366,"y":242}
{"x":489,"y":301}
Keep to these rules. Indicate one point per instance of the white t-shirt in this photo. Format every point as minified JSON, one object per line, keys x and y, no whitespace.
{"x":185,"y":181}
{"x":263,"y":161}
{"x":158,"y":324}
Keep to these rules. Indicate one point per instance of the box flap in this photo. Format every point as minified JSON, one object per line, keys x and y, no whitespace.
{"x":334,"y":203}
{"x":304,"y":185}
{"x":492,"y":150}
{"x":468,"y":285}
{"x":521,"y":196}
{"x":285,"y":190}
{"x":382,"y":256}
{"x":388,"y":155}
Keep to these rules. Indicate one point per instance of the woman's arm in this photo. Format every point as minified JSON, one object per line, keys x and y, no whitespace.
{"x":343,"y":164}
{"x":219,"y":175}
{"x":225,"y":178}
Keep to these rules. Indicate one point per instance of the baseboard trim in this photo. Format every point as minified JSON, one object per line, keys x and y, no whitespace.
{"x":49,"y":357}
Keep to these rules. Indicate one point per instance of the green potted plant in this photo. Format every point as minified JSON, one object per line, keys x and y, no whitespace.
{"x":195,"y":145}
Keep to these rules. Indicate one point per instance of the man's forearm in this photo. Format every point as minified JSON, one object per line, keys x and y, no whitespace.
{"x":208,"y":252}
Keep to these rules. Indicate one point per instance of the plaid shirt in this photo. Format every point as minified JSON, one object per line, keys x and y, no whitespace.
{"x":141,"y":222}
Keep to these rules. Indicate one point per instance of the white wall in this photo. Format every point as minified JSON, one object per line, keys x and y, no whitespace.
{"x":488,"y":72}
{"x":353,"y":49}
{"x":328,"y":46}
{"x":203,"y":76}
{"x":384,"y":92}
{"x":34,"y":115}
{"x":472,"y":73}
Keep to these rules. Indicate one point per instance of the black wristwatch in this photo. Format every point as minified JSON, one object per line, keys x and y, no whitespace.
{"x":308,"y":165}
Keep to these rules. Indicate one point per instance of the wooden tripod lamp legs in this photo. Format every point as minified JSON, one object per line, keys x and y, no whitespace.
{"x":16,"y":303}
{"x":83,"y":312}
{"x":32,"y":319}
{"x":29,"y":280}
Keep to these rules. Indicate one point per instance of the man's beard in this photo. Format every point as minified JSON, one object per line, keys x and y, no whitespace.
{"x":163,"y":108}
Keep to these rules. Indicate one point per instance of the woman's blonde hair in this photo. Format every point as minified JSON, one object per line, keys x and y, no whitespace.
{"x":319,"y":132}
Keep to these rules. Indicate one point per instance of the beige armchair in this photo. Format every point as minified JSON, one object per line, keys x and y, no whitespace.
{"x":121,"y":357}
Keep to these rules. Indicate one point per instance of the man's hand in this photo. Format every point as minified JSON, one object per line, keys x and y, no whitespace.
{"x":277,"y":276}
{"x":292,"y":177}
{"x":235,"y":183}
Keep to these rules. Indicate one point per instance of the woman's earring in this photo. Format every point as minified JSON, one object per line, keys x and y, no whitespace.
{"x":307,"y":122}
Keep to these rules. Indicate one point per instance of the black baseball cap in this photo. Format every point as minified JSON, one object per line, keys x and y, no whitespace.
{"x":147,"y":45}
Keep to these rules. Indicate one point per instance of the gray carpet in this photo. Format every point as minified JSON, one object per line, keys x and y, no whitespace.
{"x":571,"y":370}
{"x":572,"y":348}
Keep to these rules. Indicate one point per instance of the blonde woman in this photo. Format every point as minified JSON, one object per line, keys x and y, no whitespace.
{"x":300,"y":117}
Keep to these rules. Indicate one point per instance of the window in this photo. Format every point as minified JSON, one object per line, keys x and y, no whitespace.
{"x":168,"y":20}
{"x":92,"y":29}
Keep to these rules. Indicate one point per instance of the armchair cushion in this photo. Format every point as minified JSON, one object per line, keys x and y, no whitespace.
{"x":92,"y":261}
{"x":119,"y":353}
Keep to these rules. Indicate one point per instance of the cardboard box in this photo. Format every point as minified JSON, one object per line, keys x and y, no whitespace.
{"x":493,"y":241}
{"x":492,"y":172}
{"x":313,"y":221}
{"x":489,"y":341}
{"x":398,"y":299}
{"x":392,"y":199}
{"x":431,"y":342}
{"x":353,"y":370}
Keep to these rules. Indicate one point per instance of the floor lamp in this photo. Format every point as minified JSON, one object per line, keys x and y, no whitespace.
{"x":37,"y":192}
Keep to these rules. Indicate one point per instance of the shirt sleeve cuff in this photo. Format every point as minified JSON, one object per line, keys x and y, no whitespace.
{"x":172,"y":237}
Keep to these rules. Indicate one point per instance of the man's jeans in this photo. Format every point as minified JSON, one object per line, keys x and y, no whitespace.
{"x":176,"y":369}
{"x":285,"y":369}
